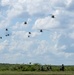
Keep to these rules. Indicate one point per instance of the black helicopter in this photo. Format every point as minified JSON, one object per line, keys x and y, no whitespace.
{"x":0,"y":37}
{"x":53,"y":16}
{"x":25,"y":22}
{"x":7,"y":34}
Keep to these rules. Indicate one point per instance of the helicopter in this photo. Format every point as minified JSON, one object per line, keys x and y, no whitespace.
{"x":29,"y":34}
{"x":41,"y":30}
{"x":6,"y":29}
{"x":53,"y":16}
{"x":0,"y":37}
{"x":25,"y":22}
{"x":7,"y":35}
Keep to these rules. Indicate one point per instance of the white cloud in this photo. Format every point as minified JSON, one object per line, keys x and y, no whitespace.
{"x":35,"y":34}
{"x":19,"y":46}
{"x":30,"y":6}
{"x":19,"y":26}
{"x":4,"y":23}
{"x":59,"y":51}
{"x":55,"y":36}
{"x":8,"y":57}
{"x":46,"y":23}
{"x":52,"y":44}
{"x":5,"y":2}
{"x":38,"y":6}
{"x":71,"y":35}
{"x":17,"y":10}
{"x":58,"y":3}
{"x":19,"y":35}
{"x":3,"y":45}
{"x":42,"y":48}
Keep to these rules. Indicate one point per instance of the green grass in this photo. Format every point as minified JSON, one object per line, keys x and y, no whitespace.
{"x":36,"y":73}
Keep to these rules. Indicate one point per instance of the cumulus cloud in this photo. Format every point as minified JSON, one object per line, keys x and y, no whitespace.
{"x":3,"y":45}
{"x":63,"y":20}
{"x":54,"y":44}
{"x":55,"y":36}
{"x":17,"y":10}
{"x":39,"y":6}
{"x":46,"y":23}
{"x":19,"y":26}
{"x":4,"y":24}
{"x":32,"y":7}
{"x":5,"y":2}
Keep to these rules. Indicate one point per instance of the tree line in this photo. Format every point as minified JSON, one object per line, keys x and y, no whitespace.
{"x":34,"y":67}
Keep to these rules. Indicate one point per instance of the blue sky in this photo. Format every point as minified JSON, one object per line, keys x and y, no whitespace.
{"x":55,"y":45}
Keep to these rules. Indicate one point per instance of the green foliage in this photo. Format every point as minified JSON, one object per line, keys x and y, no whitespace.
{"x":33,"y":67}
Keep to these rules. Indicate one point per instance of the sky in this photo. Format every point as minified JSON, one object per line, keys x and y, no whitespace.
{"x":55,"y":45}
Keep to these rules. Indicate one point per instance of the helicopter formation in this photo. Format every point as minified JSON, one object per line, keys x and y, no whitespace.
{"x":29,"y":33}
{"x":7,"y":34}
{"x":41,"y":30}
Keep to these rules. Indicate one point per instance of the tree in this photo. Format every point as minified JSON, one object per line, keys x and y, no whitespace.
{"x":62,"y":67}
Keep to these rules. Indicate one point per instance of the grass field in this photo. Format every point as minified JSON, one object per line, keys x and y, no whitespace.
{"x":36,"y":73}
